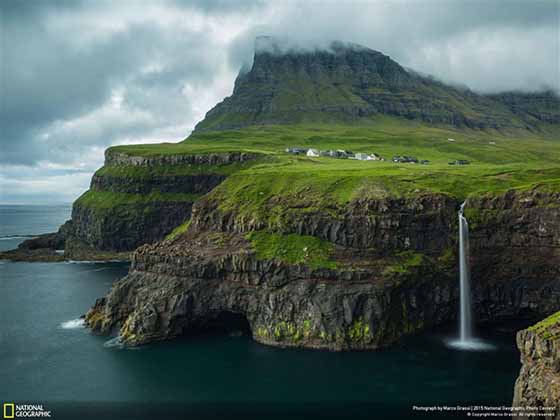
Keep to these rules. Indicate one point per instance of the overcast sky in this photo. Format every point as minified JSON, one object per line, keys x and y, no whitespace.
{"x":77,"y":77}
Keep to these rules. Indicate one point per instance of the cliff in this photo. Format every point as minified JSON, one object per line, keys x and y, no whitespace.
{"x":355,"y":276}
{"x":336,"y":253}
{"x":538,"y":384}
{"x":135,"y":200}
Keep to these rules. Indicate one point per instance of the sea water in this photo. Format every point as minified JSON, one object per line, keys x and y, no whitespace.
{"x":48,"y":357}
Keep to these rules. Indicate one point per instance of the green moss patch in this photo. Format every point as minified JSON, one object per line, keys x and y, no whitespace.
{"x":405,"y":261}
{"x":107,"y":200}
{"x":182,"y":228}
{"x":146,"y":172}
{"x":293,"y":249}
{"x":548,"y":328}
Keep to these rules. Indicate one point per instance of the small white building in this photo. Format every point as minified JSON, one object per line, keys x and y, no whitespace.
{"x":374,"y":156}
{"x":451,"y":140}
{"x":361,"y":156}
{"x":313,"y":153}
{"x":492,"y":142}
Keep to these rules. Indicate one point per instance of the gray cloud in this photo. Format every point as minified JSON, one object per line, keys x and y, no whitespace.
{"x":79,"y":76}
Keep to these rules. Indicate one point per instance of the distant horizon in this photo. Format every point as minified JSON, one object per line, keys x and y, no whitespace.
{"x":46,"y":203}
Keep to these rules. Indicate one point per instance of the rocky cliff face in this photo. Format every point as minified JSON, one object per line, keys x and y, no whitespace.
{"x":183,"y":286}
{"x":135,"y":200}
{"x":538,"y":384}
{"x":541,"y":106}
{"x":515,"y":244}
{"x":350,"y":83}
{"x":394,"y":273}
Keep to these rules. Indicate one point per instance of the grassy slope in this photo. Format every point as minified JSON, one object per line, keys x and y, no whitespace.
{"x":293,"y":249}
{"x":101,"y":200}
{"x":281,"y":183}
{"x":517,"y":160}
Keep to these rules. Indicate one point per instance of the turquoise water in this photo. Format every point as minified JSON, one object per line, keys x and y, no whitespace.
{"x":75,"y":375}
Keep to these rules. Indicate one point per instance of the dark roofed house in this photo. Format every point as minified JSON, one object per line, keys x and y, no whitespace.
{"x":296,"y":150}
{"x":460,"y":162}
{"x":405,"y":159}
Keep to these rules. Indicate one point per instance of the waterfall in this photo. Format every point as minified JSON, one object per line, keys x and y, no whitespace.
{"x":466,"y":340}
{"x":465,"y":280}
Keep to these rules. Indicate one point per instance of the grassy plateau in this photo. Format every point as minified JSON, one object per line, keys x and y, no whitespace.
{"x":499,"y":160}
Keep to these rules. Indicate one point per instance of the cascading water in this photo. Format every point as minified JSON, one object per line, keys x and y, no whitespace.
{"x":466,"y":340}
{"x":465,"y":280}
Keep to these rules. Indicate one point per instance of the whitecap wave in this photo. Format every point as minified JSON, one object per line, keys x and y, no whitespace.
{"x":470,"y":345}
{"x":114,"y":342}
{"x":73,"y":324}
{"x":12,"y":237}
{"x":94,"y":262}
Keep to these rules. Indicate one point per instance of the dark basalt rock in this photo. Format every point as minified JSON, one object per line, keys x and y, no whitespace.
{"x":175,"y":287}
{"x":124,"y":227}
{"x":192,"y":184}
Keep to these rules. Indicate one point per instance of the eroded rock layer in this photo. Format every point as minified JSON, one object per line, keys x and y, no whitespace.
{"x":392,"y":272}
{"x":135,"y":200}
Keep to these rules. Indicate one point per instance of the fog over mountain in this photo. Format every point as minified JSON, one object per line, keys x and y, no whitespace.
{"x":78,"y":77}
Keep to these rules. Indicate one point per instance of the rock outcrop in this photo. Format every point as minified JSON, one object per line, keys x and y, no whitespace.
{"x":182,"y":286}
{"x":538,"y":384}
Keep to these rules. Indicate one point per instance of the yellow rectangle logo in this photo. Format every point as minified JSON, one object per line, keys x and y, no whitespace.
{"x":9,"y":410}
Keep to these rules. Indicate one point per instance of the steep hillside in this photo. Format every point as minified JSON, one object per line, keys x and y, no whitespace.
{"x":349,"y":83}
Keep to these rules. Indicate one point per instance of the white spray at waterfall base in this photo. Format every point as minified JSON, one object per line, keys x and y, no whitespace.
{"x":466,"y":340}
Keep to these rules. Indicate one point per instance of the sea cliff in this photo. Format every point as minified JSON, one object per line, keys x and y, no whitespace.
{"x":358,"y":276}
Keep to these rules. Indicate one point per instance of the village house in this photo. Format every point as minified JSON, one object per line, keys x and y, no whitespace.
{"x":361,"y":156}
{"x":405,"y":159}
{"x":460,"y":162}
{"x":344,"y":154}
{"x":375,"y":156}
{"x":296,"y":150}
{"x":313,"y":153}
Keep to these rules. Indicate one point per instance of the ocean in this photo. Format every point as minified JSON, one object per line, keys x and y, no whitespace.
{"x":47,"y":357}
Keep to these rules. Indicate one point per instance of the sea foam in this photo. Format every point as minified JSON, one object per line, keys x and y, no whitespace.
{"x":73,"y":324}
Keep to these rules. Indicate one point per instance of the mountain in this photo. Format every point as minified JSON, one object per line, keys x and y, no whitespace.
{"x":350,"y":83}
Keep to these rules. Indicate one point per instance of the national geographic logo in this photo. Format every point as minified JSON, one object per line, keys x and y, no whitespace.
{"x":9,"y":410}
{"x":20,"y":411}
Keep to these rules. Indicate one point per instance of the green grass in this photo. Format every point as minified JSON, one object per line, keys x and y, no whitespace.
{"x":146,"y":172}
{"x":106,"y":199}
{"x":548,"y":328}
{"x":292,"y":249}
{"x":279,"y":183}
{"x":182,"y":228}
{"x":404,"y":261}
{"x":387,"y":136}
